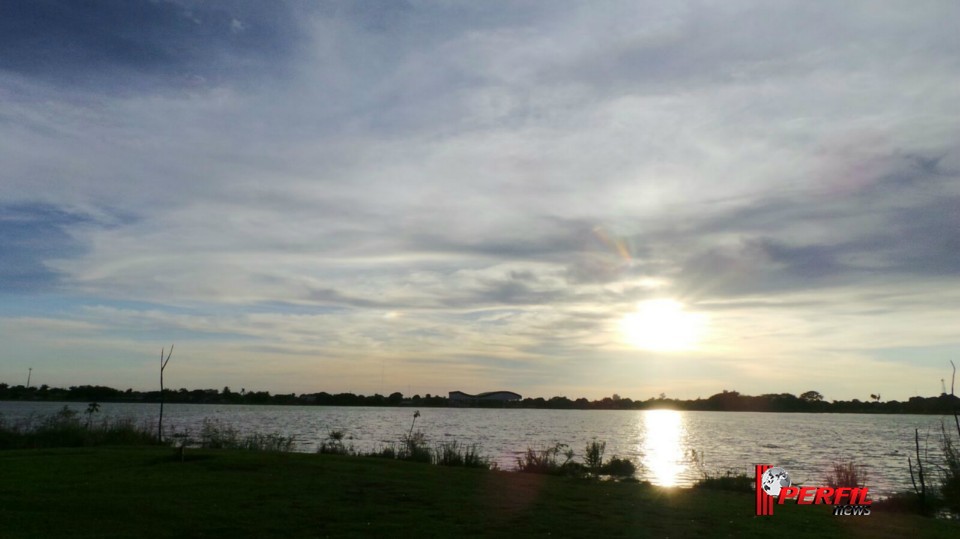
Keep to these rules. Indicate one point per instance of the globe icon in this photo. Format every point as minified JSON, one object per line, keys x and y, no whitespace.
{"x":774,"y":479}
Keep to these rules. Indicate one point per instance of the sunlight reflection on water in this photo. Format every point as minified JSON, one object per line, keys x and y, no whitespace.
{"x":663,"y":452}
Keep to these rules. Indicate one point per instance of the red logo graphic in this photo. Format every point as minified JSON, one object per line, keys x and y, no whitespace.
{"x":773,"y":483}
{"x":764,"y":499}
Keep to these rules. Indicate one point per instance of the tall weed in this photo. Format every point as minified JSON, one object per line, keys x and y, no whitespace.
{"x":949,"y":471}
{"x":216,"y":435}
{"x":65,"y":429}
{"x":456,"y":454}
{"x":547,"y":461}
{"x":846,"y":473}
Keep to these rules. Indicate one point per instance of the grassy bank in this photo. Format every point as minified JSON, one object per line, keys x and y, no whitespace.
{"x":148,"y":492}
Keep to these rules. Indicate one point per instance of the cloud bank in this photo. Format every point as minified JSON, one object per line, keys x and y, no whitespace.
{"x":471,"y":196}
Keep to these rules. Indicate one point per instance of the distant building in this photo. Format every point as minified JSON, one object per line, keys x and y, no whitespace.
{"x":459,"y":398}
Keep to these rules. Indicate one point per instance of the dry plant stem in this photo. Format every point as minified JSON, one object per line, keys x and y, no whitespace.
{"x":956,"y":418}
{"x":163,"y":365}
{"x":923,"y":484}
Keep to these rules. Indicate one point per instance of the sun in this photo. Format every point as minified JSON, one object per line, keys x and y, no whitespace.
{"x":662,"y":325}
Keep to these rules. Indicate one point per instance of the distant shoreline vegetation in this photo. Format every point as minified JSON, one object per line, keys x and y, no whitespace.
{"x":725,"y":401}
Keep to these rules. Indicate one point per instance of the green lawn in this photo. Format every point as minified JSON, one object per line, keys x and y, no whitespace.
{"x":146,"y":492}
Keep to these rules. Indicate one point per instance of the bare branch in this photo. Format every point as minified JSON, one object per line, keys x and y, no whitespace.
{"x":164,"y":362}
{"x":163,"y":365}
{"x":954,"y":377}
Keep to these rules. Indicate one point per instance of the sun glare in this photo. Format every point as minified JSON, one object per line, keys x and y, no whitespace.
{"x":662,"y":325}
{"x":662,"y":448}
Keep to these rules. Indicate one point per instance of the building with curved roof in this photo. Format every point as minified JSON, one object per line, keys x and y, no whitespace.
{"x":489,"y":396}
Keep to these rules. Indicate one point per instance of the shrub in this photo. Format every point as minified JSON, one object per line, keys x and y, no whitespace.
{"x":385,"y":452}
{"x":123,"y":431}
{"x":215,"y":435}
{"x":901,"y":502}
{"x":413,"y":447}
{"x":455,"y":454}
{"x":543,"y":461}
{"x":846,"y":473}
{"x":334,"y":444}
{"x":547,"y":461}
{"x":949,"y":471}
{"x":619,"y":467}
{"x":593,"y":455}
{"x":728,"y":480}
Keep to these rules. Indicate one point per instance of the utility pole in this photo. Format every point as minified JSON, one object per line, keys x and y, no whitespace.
{"x":29,"y":374}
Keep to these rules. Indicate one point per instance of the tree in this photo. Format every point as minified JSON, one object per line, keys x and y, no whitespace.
{"x":92,"y":408}
{"x":811,"y":396}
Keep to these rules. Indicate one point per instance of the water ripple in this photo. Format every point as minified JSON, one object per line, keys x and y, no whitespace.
{"x":658,"y":441}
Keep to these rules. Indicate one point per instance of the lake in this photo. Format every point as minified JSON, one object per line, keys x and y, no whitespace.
{"x":658,"y":441}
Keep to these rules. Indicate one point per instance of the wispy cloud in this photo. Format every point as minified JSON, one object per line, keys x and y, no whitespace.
{"x":482,"y":186}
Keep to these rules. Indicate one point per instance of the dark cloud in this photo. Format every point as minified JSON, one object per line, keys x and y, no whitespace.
{"x":30,"y":235}
{"x":537,"y":239}
{"x":134,"y":44}
{"x":517,"y":289}
{"x":922,"y":240}
{"x":762,"y":265}
{"x":903,"y":223}
{"x":511,"y":292}
{"x":375,"y":15}
{"x":334,"y":297}
{"x":573,"y":326}
{"x":919,"y":241}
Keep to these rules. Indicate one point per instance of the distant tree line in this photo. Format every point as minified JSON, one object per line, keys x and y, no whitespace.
{"x":87,"y":393}
{"x":725,"y":401}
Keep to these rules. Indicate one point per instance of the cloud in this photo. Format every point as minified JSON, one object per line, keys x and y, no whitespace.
{"x":507,"y":180}
{"x":135,"y":46}
{"x":30,"y":235}
{"x":892,"y":228}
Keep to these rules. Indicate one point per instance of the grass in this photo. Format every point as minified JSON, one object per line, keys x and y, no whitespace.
{"x":147,"y":492}
{"x":949,"y":471}
{"x":66,"y":429}
{"x":218,"y":435}
{"x":456,"y":454}
{"x":730,"y":480}
{"x":413,"y":447}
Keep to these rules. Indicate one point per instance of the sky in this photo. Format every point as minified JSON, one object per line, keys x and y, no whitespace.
{"x":548,"y":197}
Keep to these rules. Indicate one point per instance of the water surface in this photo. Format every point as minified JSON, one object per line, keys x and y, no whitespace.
{"x":658,"y":441}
